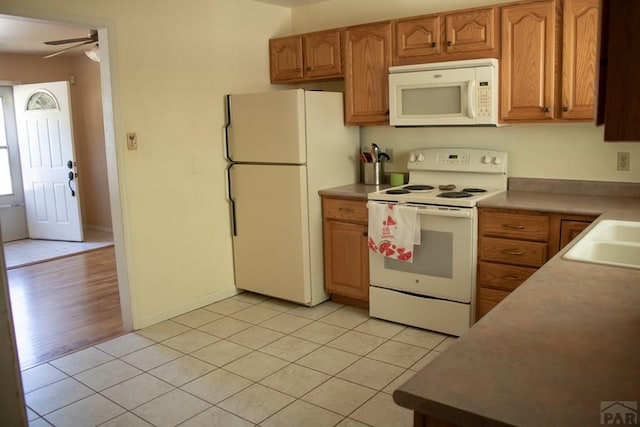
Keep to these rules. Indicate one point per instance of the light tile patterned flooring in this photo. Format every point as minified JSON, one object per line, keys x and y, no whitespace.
{"x":244,"y":361}
{"x":20,"y":253}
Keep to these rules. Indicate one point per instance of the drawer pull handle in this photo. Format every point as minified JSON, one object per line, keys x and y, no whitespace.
{"x":514,"y":226}
{"x":513,"y":277}
{"x":512,"y":252}
{"x":345,"y":210}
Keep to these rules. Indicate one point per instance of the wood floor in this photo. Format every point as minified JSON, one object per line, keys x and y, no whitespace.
{"x":64,"y":305}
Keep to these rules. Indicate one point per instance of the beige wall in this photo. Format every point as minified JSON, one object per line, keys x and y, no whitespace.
{"x":570,"y":151}
{"x":171,"y":65}
{"x":87,"y":122}
{"x":90,"y":143}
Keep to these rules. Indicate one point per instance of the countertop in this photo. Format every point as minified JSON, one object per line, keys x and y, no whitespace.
{"x":352,"y":191}
{"x":562,"y":344}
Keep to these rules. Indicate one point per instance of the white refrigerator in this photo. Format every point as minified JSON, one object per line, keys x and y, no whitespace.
{"x":282,"y":148}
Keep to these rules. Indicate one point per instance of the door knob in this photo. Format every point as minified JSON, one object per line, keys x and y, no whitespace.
{"x":71,"y":176}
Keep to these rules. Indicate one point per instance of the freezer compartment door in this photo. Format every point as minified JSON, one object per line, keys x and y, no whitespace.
{"x":271,"y":245}
{"x":267,"y":127}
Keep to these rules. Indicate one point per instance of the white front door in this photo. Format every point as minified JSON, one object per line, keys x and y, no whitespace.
{"x":45,"y":137}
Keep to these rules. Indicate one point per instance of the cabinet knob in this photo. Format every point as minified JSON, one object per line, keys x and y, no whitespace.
{"x":434,"y":44}
{"x":546,"y":109}
{"x":449,"y":43}
{"x":308,"y":68}
{"x":365,"y":234}
{"x":565,"y":108}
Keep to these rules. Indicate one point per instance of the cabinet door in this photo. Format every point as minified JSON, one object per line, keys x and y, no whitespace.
{"x":619,"y":69}
{"x":527,"y":84}
{"x":579,"y":53}
{"x":285,"y":56}
{"x":471,"y":31}
{"x":367,"y":59}
{"x":322,"y":54}
{"x":569,"y":229}
{"x":416,"y":40}
{"x":346,"y":259}
{"x":487,"y":299}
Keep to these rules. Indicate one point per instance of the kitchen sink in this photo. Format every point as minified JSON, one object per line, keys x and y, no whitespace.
{"x":610,"y":242}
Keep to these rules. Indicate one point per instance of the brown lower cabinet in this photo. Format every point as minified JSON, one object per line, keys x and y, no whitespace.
{"x":346,"y":251}
{"x":513,"y":244}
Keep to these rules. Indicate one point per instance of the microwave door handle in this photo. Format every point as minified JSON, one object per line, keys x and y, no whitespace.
{"x":471,"y":107}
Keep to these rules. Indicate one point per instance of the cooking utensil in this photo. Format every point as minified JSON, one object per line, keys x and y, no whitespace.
{"x":375,"y":151}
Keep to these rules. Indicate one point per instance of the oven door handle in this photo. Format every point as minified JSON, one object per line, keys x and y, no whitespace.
{"x":451,"y":213}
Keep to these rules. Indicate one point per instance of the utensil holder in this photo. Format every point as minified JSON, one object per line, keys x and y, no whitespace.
{"x":372,"y":173}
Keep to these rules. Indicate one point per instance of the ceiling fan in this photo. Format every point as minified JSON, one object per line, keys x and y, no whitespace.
{"x":81,"y":41}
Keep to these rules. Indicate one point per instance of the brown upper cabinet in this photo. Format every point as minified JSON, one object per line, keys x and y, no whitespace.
{"x":579,"y":57}
{"x":619,"y":67}
{"x":527,"y":79}
{"x":468,"y":34}
{"x":367,"y":59}
{"x":536,"y":84}
{"x":548,"y":51}
{"x":312,"y":56}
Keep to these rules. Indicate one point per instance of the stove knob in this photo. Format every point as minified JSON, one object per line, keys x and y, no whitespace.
{"x":486,"y":160}
{"x":412,"y":157}
{"x":420,"y":157}
{"x":497,"y":160}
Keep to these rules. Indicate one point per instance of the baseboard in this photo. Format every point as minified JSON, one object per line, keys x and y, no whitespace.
{"x":98,"y":228}
{"x":186,"y":307}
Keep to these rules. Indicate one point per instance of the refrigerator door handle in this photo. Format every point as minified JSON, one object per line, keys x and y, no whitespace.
{"x":227,"y":125}
{"x":232,"y":202}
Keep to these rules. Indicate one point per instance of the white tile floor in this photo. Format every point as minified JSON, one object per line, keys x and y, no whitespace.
{"x":244,"y":361}
{"x":25,"y":252}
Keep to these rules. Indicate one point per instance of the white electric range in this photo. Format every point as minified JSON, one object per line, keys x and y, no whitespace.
{"x":436,"y":291}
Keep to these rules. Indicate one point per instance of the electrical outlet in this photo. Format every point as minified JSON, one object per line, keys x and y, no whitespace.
{"x":624,"y":161}
{"x":132,"y":141}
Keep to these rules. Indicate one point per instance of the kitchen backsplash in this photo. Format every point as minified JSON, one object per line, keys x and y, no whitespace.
{"x":565,"y":186}
{"x":559,"y":151}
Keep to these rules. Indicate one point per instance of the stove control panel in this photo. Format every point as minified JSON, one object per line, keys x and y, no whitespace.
{"x":453,"y":159}
{"x":458,"y":160}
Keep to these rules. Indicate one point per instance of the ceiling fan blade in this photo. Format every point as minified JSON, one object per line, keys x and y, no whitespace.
{"x":68,"y":48}
{"x":66,"y":41}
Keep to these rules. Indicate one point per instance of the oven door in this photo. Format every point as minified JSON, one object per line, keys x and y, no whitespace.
{"x":444,"y":262}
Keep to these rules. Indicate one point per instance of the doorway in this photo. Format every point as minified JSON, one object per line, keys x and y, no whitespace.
{"x":118,"y":256}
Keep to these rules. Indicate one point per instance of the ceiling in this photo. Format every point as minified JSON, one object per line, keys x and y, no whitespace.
{"x":22,"y":35}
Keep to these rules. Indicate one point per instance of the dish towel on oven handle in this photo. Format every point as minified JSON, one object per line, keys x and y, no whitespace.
{"x":393,"y":230}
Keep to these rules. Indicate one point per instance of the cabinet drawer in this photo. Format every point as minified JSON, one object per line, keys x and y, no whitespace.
{"x":487,"y":299}
{"x":507,"y":277}
{"x":515,"y":225}
{"x":346,"y":210}
{"x":532,"y":254}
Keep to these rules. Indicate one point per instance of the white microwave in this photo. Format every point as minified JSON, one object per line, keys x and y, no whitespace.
{"x":455,"y":93}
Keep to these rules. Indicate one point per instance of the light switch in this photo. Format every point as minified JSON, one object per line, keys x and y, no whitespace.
{"x":132,"y":141}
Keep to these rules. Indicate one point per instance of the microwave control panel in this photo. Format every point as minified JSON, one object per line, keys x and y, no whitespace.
{"x":484,"y":99}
